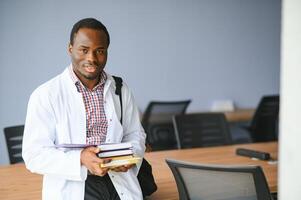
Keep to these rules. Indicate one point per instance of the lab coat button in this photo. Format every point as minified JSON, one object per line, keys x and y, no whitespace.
{"x":121,"y":193}
{"x":110,"y":120}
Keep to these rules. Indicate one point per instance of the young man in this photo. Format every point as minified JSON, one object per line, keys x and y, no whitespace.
{"x":80,"y":106}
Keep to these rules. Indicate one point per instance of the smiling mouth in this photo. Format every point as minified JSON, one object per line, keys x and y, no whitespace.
{"x":91,"y":68}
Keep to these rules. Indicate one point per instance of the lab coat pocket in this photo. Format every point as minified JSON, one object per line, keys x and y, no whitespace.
{"x":54,"y":188}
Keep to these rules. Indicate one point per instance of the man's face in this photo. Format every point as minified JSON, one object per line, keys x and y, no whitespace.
{"x":89,"y":53}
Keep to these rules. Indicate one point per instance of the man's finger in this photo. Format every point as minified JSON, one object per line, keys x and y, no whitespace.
{"x":96,"y":150}
{"x":120,"y":169}
{"x":129,"y":166}
{"x":104,"y":160}
{"x":101,"y":171}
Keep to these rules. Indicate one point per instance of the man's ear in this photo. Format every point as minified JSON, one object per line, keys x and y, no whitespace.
{"x":70,"y":48}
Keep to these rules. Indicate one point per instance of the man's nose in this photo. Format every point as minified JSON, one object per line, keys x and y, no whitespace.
{"x":91,"y":57}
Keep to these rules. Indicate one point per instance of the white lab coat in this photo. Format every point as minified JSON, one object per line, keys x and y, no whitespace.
{"x":56,"y":115}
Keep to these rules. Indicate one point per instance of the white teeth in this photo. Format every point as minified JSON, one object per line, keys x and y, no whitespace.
{"x":91,"y":68}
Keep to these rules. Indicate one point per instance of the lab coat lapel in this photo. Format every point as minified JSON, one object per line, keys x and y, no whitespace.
{"x":115,"y":130}
{"x":75,"y":110}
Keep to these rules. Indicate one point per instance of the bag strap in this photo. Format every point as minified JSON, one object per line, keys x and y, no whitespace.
{"x":145,"y":176}
{"x":118,"y":84}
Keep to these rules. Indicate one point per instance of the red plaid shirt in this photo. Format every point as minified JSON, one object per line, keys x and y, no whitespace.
{"x":96,"y":121}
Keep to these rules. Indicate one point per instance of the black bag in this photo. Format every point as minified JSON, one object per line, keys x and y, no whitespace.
{"x":145,"y":175}
{"x":146,"y":179}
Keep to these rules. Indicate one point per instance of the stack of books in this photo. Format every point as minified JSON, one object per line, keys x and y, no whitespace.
{"x":119,"y":153}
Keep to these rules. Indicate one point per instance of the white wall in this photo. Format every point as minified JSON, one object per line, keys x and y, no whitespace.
{"x":204,"y":50}
{"x":290,"y":131}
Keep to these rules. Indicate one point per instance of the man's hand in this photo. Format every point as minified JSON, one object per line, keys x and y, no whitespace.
{"x":122,"y":168}
{"x":89,"y":159}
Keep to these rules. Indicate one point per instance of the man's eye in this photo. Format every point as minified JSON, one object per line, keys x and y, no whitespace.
{"x":100,"y":51}
{"x":84,"y":51}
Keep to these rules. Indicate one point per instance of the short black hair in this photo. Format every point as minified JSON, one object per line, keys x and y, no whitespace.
{"x":88,"y":23}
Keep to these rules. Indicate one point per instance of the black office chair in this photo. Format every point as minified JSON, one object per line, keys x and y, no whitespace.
{"x":201,"y":130}
{"x":157,"y":123}
{"x":219,"y":182}
{"x":264,"y":124}
{"x":14,"y":136}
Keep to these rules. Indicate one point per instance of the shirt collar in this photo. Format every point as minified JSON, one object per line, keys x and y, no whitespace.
{"x":78,"y":83}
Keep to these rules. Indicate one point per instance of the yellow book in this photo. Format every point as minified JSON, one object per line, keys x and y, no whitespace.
{"x":121,"y":160}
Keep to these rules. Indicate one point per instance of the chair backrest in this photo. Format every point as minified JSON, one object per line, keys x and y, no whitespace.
{"x":219,"y":182}
{"x":264,"y":125}
{"x":201,"y":130}
{"x":14,"y":136}
{"x":157,"y":123}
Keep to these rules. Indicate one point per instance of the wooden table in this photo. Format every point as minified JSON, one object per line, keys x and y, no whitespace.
{"x":215,"y":155}
{"x":17,"y":183}
{"x":238,"y":115}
